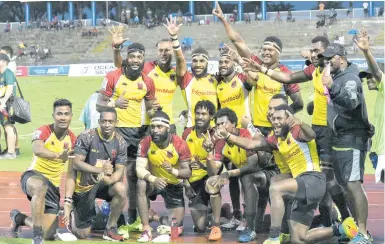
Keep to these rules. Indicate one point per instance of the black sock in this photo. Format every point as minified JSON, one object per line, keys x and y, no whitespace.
{"x":250,"y":219}
{"x":37,"y":231}
{"x":20,"y":219}
{"x":336,"y":232}
{"x":237,"y":214}
{"x":274,"y":232}
{"x":131,"y":216}
{"x":285,"y":221}
{"x":339,"y":200}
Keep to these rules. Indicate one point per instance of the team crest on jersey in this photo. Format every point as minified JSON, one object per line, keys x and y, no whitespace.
{"x":234,"y":84}
{"x":190,"y":140}
{"x":211,"y":80}
{"x":52,"y":143}
{"x":172,"y":77}
{"x":65,"y":145}
{"x":153,"y":151}
{"x":229,"y":152}
{"x":288,"y":141}
{"x":113,"y":154}
{"x":140,"y":86}
{"x":170,"y":154}
{"x":156,"y":74}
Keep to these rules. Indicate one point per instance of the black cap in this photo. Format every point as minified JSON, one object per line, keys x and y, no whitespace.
{"x":4,"y":57}
{"x":364,"y":74}
{"x":332,"y":50}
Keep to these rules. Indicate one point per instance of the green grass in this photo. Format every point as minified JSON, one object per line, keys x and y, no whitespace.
{"x":41,"y":92}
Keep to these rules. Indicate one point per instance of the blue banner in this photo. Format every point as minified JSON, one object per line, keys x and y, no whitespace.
{"x":48,"y":70}
{"x":300,"y":64}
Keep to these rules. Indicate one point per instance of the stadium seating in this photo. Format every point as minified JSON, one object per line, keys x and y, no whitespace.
{"x":69,"y":47}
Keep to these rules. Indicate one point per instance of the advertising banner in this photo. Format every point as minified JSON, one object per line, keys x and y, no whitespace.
{"x":91,"y":69}
{"x":22,"y":71}
{"x":51,"y":70}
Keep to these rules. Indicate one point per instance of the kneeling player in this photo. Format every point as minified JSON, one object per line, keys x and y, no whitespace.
{"x":205,"y":164}
{"x":254,"y":170}
{"x":163,"y":161}
{"x":296,"y":142}
{"x":97,"y":172}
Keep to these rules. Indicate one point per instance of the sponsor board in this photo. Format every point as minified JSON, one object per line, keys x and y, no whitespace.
{"x":91,"y":69}
{"x":52,"y":70}
{"x":22,"y":71}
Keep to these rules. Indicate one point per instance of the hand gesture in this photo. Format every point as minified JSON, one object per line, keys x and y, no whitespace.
{"x":122,"y":102}
{"x":222,"y":178}
{"x":208,"y":144}
{"x":107,"y":168}
{"x":292,"y":120}
{"x":362,"y":41}
{"x":117,"y":35}
{"x":172,"y":26}
{"x":160,"y":183}
{"x":196,"y":164}
{"x":189,"y":191}
{"x":251,"y":65}
{"x":245,"y":121}
{"x":217,"y":11}
{"x":63,"y":156}
{"x":221,"y":133}
{"x":327,"y":79}
{"x":167,"y":166}
{"x":67,"y":214}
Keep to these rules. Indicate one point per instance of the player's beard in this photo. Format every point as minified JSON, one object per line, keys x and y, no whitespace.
{"x":203,"y":74}
{"x":131,"y":73}
{"x":228,"y":72}
{"x":159,"y":138}
{"x":165,"y":67}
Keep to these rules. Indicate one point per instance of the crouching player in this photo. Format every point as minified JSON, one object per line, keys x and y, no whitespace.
{"x":163,"y":162}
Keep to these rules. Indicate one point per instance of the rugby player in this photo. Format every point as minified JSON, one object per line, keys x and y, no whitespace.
{"x":196,"y":85}
{"x":324,"y":134}
{"x":163,"y":162}
{"x":206,"y":162}
{"x":295,"y":141}
{"x":253,"y":169}
{"x":265,"y":87}
{"x":51,"y":145}
{"x":97,"y":172}
{"x":128,"y":86}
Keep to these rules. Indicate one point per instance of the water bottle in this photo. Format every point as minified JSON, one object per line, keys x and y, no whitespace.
{"x":374,"y":159}
{"x":174,"y":229}
{"x":105,"y":209}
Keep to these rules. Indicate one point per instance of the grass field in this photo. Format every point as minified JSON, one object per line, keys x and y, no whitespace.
{"x":28,"y":241}
{"x":41,"y":92}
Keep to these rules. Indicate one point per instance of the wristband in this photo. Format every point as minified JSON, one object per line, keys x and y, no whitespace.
{"x":175,"y":172}
{"x":228,"y":136}
{"x":68,"y":203}
{"x":151,"y":179}
{"x":176,"y":47}
{"x":174,"y":37}
{"x":269,"y":72}
{"x":117,"y":47}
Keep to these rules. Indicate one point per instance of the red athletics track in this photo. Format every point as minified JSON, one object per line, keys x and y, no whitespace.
{"x":11,"y":197}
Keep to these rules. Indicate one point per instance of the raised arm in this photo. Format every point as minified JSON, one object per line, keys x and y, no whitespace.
{"x":117,"y":42}
{"x":363,"y":43}
{"x":258,"y":143}
{"x":234,"y":37}
{"x":300,"y":130}
{"x":173,"y":29}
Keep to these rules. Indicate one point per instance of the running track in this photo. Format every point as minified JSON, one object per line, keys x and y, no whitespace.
{"x":11,"y":197}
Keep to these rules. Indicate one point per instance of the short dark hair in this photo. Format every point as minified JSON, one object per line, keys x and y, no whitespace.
{"x":207,"y":105}
{"x":108,"y":110}
{"x":134,"y":47}
{"x":274,"y":39}
{"x":62,"y":102}
{"x":280,"y":96}
{"x":324,"y":40}
{"x":231,"y":115}
{"x":161,"y":114}
{"x":8,"y":49}
{"x":284,"y":107}
{"x":200,"y":50}
{"x":163,"y":40}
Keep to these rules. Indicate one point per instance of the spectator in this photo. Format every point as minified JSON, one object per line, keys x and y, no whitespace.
{"x":235,"y":13}
{"x":149,"y":14}
{"x":128,"y":14}
{"x":20,"y":27}
{"x":341,"y":39}
{"x":7,"y":27}
{"x":259,"y":17}
{"x":321,"y":6}
{"x":289,"y":17}
{"x":7,"y":81}
{"x":123,"y":16}
{"x":381,"y":11}
{"x":89,"y":115}
{"x":247,"y":18}
{"x":366,"y":11}
{"x":136,"y":13}
{"x":350,"y":9}
{"x":257,"y":11}
{"x":278,"y":18}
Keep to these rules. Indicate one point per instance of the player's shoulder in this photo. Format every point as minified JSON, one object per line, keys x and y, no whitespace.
{"x":71,"y":135}
{"x":43,"y":132}
{"x":242,"y":77}
{"x":148,"y":67}
{"x":120,"y":139}
{"x":271,"y":139}
{"x":116,"y":73}
{"x":146,"y":141}
{"x":177,"y":141}
{"x":244,"y":133}
{"x":283,"y":68}
{"x":186,"y":133}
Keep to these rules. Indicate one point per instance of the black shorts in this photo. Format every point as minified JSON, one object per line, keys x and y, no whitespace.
{"x":132,"y":136}
{"x":270,"y":172}
{"x":264,"y":130}
{"x":323,"y":138}
{"x":201,"y":197}
{"x":311,"y":189}
{"x":349,"y":165}
{"x":84,"y":204}
{"x":172,"y":195}
{"x":52,"y":197}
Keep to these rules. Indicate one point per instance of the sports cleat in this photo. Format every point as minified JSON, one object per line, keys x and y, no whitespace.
{"x":348,"y":228}
{"x":361,"y":239}
{"x":37,"y":240}
{"x":284,"y":238}
{"x":112,"y":235}
{"x":247,"y":236}
{"x":161,"y":239}
{"x":215,"y":234}
{"x":241,"y":227}
{"x":343,"y":239}
{"x":272,"y":241}
{"x":145,"y":236}
{"x":231,"y":225}
{"x":14,"y":226}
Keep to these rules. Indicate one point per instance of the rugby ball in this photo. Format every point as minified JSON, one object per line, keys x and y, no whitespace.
{"x":210,"y":189}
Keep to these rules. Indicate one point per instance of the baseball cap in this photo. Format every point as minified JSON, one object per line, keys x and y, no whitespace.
{"x":364,"y":74}
{"x":332,"y":50}
{"x":4,"y":57}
